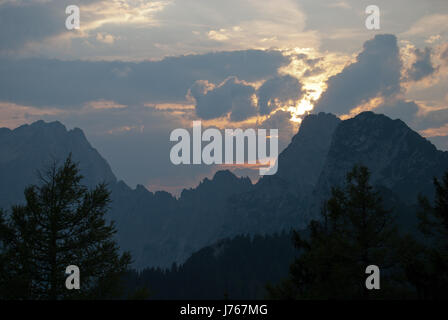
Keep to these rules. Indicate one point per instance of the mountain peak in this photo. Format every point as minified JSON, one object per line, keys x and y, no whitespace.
{"x":224,"y":175}
{"x":43,"y":124}
{"x":300,"y":163}
{"x":224,"y":178}
{"x":223,"y":182}
{"x":371,"y":116}
{"x":31,"y":147}
{"x":398,"y":157}
{"x":40,"y":126}
{"x":315,"y":125}
{"x":372,"y":128}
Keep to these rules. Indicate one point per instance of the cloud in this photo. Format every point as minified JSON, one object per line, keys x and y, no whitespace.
{"x":239,"y":24}
{"x":153,"y":29}
{"x":104,"y":104}
{"x":105,"y":38}
{"x":340,"y":4}
{"x":399,"y":109}
{"x":422,"y":67}
{"x":376,"y":72}
{"x":21,"y":23}
{"x":313,"y":72}
{"x":432,"y":119}
{"x":277,"y":91}
{"x":312,"y":62}
{"x":444,"y":54}
{"x":128,"y":109}
{"x":25,"y":23}
{"x":436,"y":132}
{"x":70,"y":84}
{"x":434,"y":126}
{"x":428,"y":25}
{"x":238,"y":99}
{"x":231,"y":96}
{"x":13,"y":115}
{"x":312,"y":65}
{"x":281,"y":120}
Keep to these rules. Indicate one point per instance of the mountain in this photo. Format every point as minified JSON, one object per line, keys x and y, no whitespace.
{"x":278,"y":202}
{"x":403,"y":165}
{"x":29,"y":148}
{"x":159,"y":229}
{"x":156,"y":227}
{"x":398,"y":157}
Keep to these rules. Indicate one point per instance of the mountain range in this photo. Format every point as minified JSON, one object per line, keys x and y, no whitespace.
{"x":160,"y":229}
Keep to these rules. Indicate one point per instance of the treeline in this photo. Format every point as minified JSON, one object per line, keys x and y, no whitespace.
{"x":357,"y":233}
{"x":237,"y":268}
{"x":359,"y":226}
{"x":62,"y":224}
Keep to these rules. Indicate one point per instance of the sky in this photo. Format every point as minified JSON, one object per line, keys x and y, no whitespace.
{"x":135,"y":70}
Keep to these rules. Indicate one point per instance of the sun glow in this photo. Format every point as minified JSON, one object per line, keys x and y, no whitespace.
{"x":313,"y":69}
{"x":313,"y":91}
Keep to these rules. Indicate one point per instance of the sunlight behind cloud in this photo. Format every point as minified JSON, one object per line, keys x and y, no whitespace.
{"x":329,"y":65}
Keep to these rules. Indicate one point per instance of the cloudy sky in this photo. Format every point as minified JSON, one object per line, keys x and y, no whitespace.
{"x":137,"y":69}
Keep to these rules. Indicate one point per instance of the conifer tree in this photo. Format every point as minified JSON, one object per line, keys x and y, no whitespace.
{"x":354,"y":231}
{"x":429,"y":270}
{"x":62,"y":223}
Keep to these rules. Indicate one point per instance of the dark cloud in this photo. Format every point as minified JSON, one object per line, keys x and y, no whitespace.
{"x":281,"y":120}
{"x":236,"y":97}
{"x":232,"y":96}
{"x":432,"y":119}
{"x":25,"y":21}
{"x":422,"y":67}
{"x":20,"y":24}
{"x":278,"y":119}
{"x":312,"y":62}
{"x":313,"y":72}
{"x":308,"y":61}
{"x":399,"y":109}
{"x":444,"y":54}
{"x":62,"y":84}
{"x":376,"y":72}
{"x":276,"y":91}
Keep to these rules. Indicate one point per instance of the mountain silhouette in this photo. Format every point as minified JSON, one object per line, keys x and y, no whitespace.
{"x":399,"y":158}
{"x":159,"y":229}
{"x":29,"y":148}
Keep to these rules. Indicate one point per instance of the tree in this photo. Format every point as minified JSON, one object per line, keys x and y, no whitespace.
{"x":428,"y":271}
{"x":3,"y":260}
{"x":62,"y":223}
{"x":354,"y":231}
